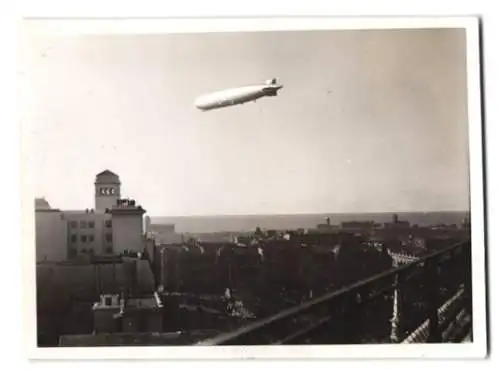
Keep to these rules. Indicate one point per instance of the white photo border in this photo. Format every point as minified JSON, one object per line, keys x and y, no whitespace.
{"x":476,"y":349}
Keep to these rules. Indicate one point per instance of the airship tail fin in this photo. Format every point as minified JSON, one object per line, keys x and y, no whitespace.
{"x":272,"y":81}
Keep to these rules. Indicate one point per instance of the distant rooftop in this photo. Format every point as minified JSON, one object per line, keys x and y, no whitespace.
{"x":126,"y":206}
{"x":41,"y":205}
{"x":143,"y":303}
{"x":107,"y":172}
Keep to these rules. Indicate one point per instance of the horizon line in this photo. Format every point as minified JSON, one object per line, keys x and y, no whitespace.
{"x":465,"y":210}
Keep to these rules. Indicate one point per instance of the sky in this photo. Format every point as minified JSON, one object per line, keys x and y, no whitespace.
{"x":367,"y":121}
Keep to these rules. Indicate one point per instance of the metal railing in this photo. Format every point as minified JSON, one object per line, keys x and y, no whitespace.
{"x":388,"y":307}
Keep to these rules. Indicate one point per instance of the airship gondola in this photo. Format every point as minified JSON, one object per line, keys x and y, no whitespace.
{"x":240,"y":95}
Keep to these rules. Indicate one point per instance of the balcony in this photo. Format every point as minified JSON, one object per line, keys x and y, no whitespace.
{"x":427,"y":299}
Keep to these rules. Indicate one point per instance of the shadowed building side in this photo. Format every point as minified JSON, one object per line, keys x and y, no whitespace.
{"x":51,"y":232}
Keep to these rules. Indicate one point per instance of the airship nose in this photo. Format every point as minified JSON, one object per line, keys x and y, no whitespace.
{"x":198,"y":103}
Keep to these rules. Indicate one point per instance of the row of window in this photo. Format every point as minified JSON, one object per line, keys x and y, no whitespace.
{"x":107,"y":191}
{"x":90,"y":238}
{"x":88,"y":224}
{"x":73,"y":252}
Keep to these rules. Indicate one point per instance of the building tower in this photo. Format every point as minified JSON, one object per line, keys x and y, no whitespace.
{"x":107,"y":190}
{"x":395,"y":219}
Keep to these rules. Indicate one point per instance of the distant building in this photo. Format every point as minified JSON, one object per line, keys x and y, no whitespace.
{"x":397,"y":224}
{"x":327,"y":226}
{"x":114,"y":225}
{"x":466,"y":222}
{"x":147,"y":224}
{"x":357,"y":225}
{"x":208,"y":237}
{"x":163,"y":234}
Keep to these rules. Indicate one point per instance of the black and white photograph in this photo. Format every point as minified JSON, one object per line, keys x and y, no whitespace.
{"x":244,"y":187}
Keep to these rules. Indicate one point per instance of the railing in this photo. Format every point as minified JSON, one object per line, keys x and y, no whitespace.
{"x":431,"y":294}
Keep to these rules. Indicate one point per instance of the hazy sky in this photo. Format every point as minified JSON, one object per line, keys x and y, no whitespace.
{"x":366,"y":121}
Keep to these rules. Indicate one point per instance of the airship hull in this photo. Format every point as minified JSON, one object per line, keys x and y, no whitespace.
{"x":236,"y":96}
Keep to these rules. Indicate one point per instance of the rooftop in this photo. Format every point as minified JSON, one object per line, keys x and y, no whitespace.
{"x":108,"y":301}
{"x":143,"y":303}
{"x":41,"y":203}
{"x":107,"y":176}
{"x":106,"y":172}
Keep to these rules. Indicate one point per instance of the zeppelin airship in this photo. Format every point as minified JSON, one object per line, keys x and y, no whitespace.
{"x":239,"y":95}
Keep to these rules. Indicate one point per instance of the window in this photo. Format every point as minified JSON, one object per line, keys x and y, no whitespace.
{"x":91,"y":224}
{"x":109,"y":237}
{"x":109,"y":250}
{"x":84,"y":251}
{"x":91,"y":238}
{"x":83,"y":224}
{"x":91,"y":251}
{"x":73,"y":238}
{"x":83,"y":238}
{"x":72,"y":224}
{"x":108,"y":223}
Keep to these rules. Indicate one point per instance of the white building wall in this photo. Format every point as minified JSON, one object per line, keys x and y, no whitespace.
{"x":127,"y":232}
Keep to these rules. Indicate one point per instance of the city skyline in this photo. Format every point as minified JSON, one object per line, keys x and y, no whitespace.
{"x":367,"y":121}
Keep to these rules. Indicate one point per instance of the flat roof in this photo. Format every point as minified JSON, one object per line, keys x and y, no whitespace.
{"x":142,"y":303}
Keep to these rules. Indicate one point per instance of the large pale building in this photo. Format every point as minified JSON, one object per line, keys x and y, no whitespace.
{"x":127,"y":219}
{"x":112,"y":226}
